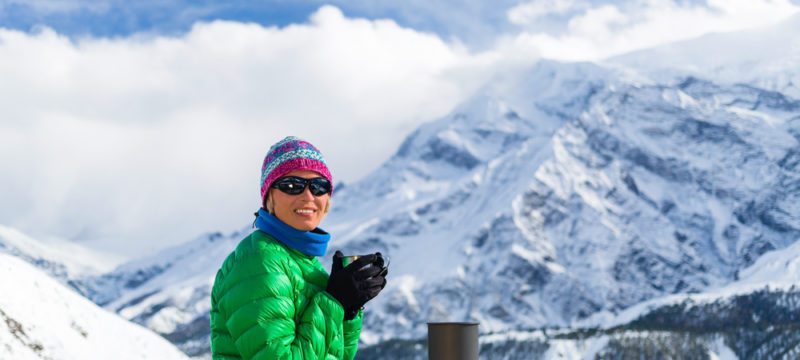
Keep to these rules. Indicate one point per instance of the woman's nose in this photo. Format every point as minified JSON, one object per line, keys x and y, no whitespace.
{"x":307,"y":193}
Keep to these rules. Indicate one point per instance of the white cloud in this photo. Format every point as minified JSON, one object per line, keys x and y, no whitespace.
{"x":608,"y":30}
{"x":140,"y":142}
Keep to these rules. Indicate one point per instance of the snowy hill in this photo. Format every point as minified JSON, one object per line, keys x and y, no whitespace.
{"x":42,"y":319}
{"x":169,"y":292}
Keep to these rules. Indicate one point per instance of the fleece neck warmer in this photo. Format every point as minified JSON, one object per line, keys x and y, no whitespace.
{"x":312,"y":243}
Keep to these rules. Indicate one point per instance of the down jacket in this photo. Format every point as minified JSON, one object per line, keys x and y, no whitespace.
{"x":269,"y":302}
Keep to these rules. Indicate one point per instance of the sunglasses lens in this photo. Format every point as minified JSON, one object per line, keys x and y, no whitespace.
{"x":291,"y":185}
{"x":319,"y":186}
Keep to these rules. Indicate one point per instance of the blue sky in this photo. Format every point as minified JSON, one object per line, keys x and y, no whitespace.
{"x":478,"y":20}
{"x":474,"y":22}
{"x":133,"y":125}
{"x":123,"y":18}
{"x":592,"y":29}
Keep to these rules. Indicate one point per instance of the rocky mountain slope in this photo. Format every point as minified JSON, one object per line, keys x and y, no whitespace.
{"x":755,"y":317}
{"x":640,"y":190}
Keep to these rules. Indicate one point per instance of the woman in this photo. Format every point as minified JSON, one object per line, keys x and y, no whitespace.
{"x":271,"y":298}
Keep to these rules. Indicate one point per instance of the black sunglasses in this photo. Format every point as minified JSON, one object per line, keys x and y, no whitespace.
{"x":294,"y":185}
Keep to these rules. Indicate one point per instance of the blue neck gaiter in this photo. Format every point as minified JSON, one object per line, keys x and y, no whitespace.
{"x":313,"y":243}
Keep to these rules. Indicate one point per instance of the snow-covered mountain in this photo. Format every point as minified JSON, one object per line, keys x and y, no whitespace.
{"x":603,"y":191}
{"x":169,"y":292}
{"x":42,"y":319}
{"x":574,"y":210}
{"x":61,"y":259}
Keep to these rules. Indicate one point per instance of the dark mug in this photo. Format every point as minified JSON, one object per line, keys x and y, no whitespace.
{"x":347,"y":260}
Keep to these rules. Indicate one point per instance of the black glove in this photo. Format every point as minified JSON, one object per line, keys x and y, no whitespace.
{"x":357,"y":283}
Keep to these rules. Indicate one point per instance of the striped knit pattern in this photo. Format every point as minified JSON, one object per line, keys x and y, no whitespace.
{"x":288,"y":155}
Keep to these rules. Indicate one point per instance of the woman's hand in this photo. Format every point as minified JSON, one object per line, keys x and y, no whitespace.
{"x":357,"y":283}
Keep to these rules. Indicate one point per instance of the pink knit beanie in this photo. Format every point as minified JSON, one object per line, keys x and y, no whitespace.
{"x":288,"y":155}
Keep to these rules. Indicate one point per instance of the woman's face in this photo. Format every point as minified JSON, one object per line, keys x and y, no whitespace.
{"x":303,"y":211}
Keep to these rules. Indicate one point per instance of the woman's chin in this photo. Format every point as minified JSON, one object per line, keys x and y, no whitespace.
{"x":304,"y":225}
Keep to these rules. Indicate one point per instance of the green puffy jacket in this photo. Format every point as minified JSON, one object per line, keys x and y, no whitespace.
{"x":269,"y":302}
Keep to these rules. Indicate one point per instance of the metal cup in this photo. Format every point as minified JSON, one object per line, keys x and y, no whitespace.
{"x":347,"y":260}
{"x":453,"y":341}
{"x":386,"y":261}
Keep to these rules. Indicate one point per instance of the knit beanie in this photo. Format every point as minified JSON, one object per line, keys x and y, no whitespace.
{"x":288,"y":155}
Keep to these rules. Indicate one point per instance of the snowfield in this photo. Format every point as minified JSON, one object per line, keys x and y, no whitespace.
{"x":42,"y":319}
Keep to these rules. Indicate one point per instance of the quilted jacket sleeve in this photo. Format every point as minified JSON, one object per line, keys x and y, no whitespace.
{"x":352,"y":331}
{"x":222,"y":347}
{"x":268,"y":317}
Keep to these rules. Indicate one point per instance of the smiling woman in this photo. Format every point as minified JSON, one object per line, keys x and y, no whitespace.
{"x":271,"y":297}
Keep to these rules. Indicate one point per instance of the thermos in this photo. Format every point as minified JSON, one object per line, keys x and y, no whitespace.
{"x":453,"y":341}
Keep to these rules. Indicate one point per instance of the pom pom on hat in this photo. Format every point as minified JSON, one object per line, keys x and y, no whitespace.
{"x":288,"y":155}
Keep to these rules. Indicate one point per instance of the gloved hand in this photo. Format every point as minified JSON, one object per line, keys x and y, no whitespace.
{"x":357,"y":283}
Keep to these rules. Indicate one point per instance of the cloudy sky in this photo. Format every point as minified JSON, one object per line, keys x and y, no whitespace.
{"x":133,"y":125}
